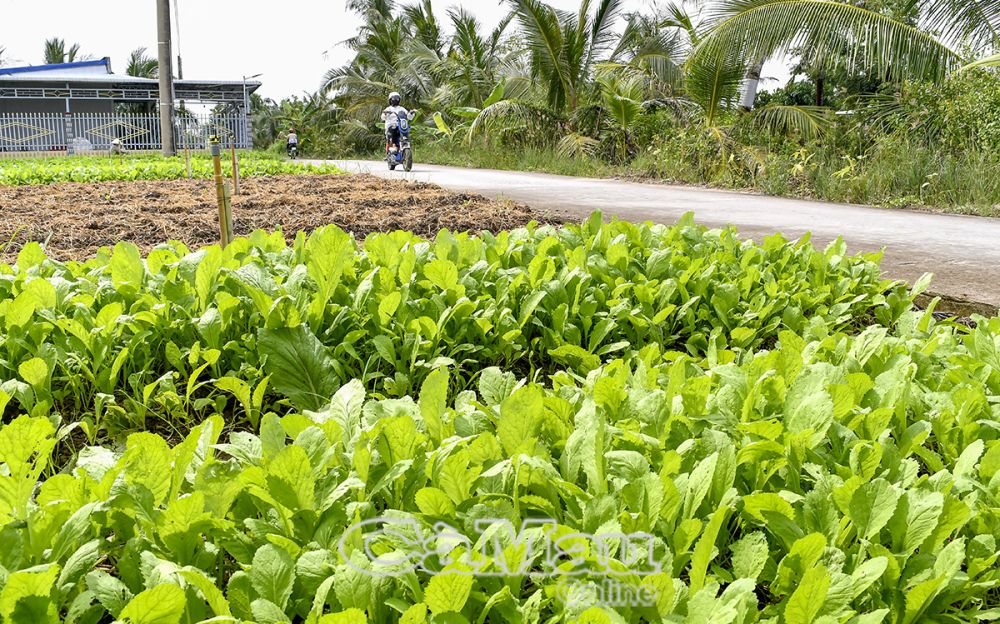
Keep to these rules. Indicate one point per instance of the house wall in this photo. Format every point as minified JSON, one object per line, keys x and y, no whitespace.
{"x":55,"y":106}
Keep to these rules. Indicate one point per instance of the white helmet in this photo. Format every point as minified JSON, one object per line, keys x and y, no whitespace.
{"x":394,"y":99}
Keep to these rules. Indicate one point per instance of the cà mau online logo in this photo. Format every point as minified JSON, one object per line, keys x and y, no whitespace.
{"x":396,"y":547}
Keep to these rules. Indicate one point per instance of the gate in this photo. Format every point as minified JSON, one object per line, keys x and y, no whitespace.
{"x":54,"y":134}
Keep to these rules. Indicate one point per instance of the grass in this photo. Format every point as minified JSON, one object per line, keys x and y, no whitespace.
{"x":897,"y":175}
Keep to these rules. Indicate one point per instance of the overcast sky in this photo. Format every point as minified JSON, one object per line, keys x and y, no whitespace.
{"x":291,"y":42}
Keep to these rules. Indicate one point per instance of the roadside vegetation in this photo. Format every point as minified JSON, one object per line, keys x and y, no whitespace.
{"x":884,"y":106}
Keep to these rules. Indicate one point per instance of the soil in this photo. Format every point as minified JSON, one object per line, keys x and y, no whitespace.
{"x":74,"y":220}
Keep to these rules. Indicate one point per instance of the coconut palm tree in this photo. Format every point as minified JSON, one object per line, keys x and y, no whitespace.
{"x":623,"y":101}
{"x":141,"y":65}
{"x":56,"y":51}
{"x":474,"y":65}
{"x":383,"y":60}
{"x":565,"y":46}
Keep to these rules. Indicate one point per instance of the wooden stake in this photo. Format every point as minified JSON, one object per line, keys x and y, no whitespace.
{"x":225,"y":212}
{"x":187,"y":151}
{"x":236,"y":165}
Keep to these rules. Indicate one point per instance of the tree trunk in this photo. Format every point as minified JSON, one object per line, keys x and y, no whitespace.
{"x":753,"y":84}
{"x":820,"y":84}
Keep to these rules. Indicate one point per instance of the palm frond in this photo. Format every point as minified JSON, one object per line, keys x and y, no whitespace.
{"x":55,"y":51}
{"x":142,"y":65}
{"x":543,"y":34}
{"x":972,"y":22}
{"x":860,"y":37}
{"x":427,"y":29}
{"x":713,"y":81}
{"x":575,"y":145}
{"x":887,"y":113}
{"x":676,"y":16}
{"x":514,"y":115}
{"x":602,"y":28}
{"x":989,"y":61}
{"x":683,"y":109}
{"x":807,"y":122}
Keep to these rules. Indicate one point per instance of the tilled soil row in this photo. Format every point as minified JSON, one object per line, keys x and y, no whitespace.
{"x":75,"y":220}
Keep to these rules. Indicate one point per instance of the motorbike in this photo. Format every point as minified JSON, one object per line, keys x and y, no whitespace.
{"x":403,"y":153}
{"x":293,"y":151}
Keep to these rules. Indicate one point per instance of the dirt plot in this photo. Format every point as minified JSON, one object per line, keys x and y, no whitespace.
{"x":77,"y":219}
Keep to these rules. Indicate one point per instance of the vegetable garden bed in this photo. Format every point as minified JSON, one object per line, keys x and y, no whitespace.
{"x":799,"y":444}
{"x":75,"y":219}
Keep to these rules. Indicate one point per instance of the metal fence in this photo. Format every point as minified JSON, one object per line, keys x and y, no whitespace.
{"x":23,"y":134}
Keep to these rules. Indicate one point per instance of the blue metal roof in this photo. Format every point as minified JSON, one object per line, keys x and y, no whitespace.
{"x":6,"y":71}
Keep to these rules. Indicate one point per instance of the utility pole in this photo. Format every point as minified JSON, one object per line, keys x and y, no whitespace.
{"x":177,"y":28}
{"x":166,"y":78}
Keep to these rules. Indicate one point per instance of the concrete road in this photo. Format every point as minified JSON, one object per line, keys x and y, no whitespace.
{"x":962,"y":252}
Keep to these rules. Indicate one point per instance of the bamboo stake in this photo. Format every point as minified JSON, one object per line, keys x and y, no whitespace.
{"x":236,"y":164}
{"x":187,"y":150}
{"x":225,"y":212}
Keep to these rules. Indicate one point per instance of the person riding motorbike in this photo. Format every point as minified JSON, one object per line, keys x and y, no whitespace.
{"x":391,"y":116}
{"x":293,"y":141}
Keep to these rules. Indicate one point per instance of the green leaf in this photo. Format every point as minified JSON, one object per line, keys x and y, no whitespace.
{"x":20,"y":311}
{"x":433,"y":403}
{"x":163,"y":604}
{"x":872,"y":506}
{"x":805,"y":604}
{"x":206,"y":275}
{"x":965,"y":465}
{"x":266,"y":612}
{"x":210,"y":592}
{"x":585,"y":449}
{"x":703,"y":551}
{"x":148,"y":463}
{"x":80,"y":563}
{"x":126,"y":265}
{"x":750,"y":555}
{"x":416,"y":614}
{"x":496,"y":94}
{"x":272,"y":574}
{"x":387,"y":307}
{"x":299,"y":366}
{"x":27,"y":597}
{"x":34,"y":371}
{"x":25,"y":444}
{"x":31,"y":255}
{"x":576,"y":357}
{"x":442,"y":126}
{"x":433,"y":502}
{"x":442,"y":273}
{"x":448,"y":592}
{"x":110,"y":592}
{"x":916,"y":518}
{"x":809,"y":405}
{"x":520,"y":415}
{"x":290,"y":481}
{"x":803,"y":555}
{"x":350,"y":616}
{"x":352,"y":586}
{"x":496,"y":385}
